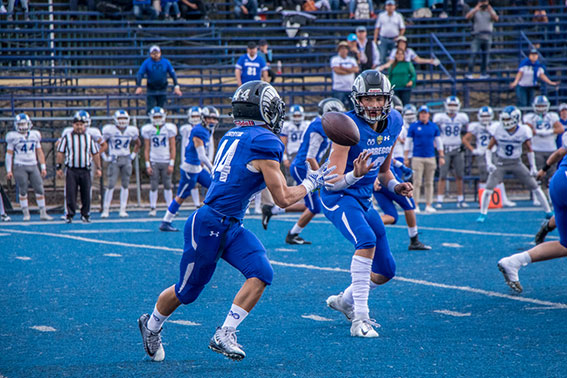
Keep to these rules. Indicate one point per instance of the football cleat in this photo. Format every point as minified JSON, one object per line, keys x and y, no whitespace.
{"x":68,"y":220}
{"x":266,"y":215}
{"x":85,"y":219}
{"x":151,"y":340}
{"x":26,"y":212}
{"x":105,"y":214}
{"x":430,"y":210}
{"x":508,"y":203}
{"x":336,"y":303}
{"x":542,"y":233}
{"x":416,"y":245}
{"x":224,"y":342}
{"x":152,"y":213}
{"x":44,"y":216}
{"x":439,"y":205}
{"x":510,"y":273}
{"x":417,"y":210}
{"x":123,"y":214}
{"x":295,"y":239}
{"x":167,"y":227}
{"x":481,"y":218}
{"x":5,"y":218}
{"x":462,"y":204}
{"x":363,"y":328}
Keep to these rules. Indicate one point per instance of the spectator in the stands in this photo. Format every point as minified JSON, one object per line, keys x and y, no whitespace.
{"x":353,"y":51}
{"x":344,"y":69}
{"x":369,"y":54}
{"x":526,"y":81}
{"x":245,"y":9}
{"x":193,"y":9}
{"x":361,"y":9}
{"x":250,"y":66}
{"x":402,"y":76}
{"x":74,"y":5}
{"x":156,"y":69}
{"x":171,"y":9}
{"x":389,"y":25}
{"x":483,"y":18}
{"x":409,"y":53}
{"x":23,"y":5}
{"x":265,"y":52}
{"x":143,"y":8}
{"x":542,"y":28}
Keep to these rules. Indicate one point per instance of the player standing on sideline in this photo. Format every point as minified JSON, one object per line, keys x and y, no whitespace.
{"x":509,"y":266}
{"x":545,"y":126}
{"x":452,"y":125}
{"x":24,"y":150}
{"x":509,"y":137}
{"x":119,"y":137}
{"x":292,"y":134}
{"x":563,"y":120}
{"x":348,"y":203}
{"x":248,"y":160}
{"x":194,"y":118}
{"x":159,"y":153}
{"x":191,"y":169}
{"x":313,"y":146}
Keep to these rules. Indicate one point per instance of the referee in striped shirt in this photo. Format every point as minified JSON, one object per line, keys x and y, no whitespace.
{"x":78,"y":150}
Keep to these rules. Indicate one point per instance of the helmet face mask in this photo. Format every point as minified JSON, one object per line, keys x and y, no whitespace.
{"x":121,"y":119}
{"x":210,"y":117}
{"x":409,"y":114}
{"x":158,"y":116}
{"x":22,"y":123}
{"x":452,"y":105}
{"x":258,"y":103}
{"x":485,"y":115}
{"x":297,"y":116}
{"x":368,"y":85}
{"x":541,"y":105}
{"x":510,"y":117}
{"x":194,"y":115}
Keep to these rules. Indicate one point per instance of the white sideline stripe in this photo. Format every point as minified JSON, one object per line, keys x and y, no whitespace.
{"x":184,"y":322}
{"x":543,"y":308}
{"x":313,"y":267}
{"x":452,"y":245}
{"x":43,"y":328}
{"x":285,"y":250}
{"x":106,"y":231}
{"x":4,"y":234}
{"x":112,"y":255}
{"x":23,"y":258}
{"x":453,"y":313}
{"x":317,"y":318}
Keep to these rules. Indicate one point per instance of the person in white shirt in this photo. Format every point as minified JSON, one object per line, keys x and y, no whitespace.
{"x":24,"y":151}
{"x":193,"y":118}
{"x":159,"y":153}
{"x":119,"y":138}
{"x":452,"y":124}
{"x":292,"y":134}
{"x":526,"y":81}
{"x":389,"y":25}
{"x":344,"y":67}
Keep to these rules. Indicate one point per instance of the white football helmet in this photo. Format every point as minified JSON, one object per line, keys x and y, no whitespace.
{"x":121,"y":119}
{"x":541,"y":105}
{"x":485,"y":115}
{"x":409,"y":114}
{"x":452,"y":105}
{"x":510,"y":117}
{"x":297,"y":114}
{"x":22,"y":123}
{"x":194,"y":115}
{"x":158,"y":116}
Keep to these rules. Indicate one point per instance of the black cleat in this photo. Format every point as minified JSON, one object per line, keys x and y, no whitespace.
{"x":68,"y":220}
{"x":167,"y":227}
{"x":85,"y":219}
{"x":542,"y":233}
{"x":266,"y":215}
{"x":295,"y":239}
{"x":416,"y":245}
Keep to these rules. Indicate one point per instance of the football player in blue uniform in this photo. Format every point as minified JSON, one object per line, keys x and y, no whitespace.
{"x":312,"y":149}
{"x":509,"y":266}
{"x":248,"y":160}
{"x":348,"y":204}
{"x":191,"y":170}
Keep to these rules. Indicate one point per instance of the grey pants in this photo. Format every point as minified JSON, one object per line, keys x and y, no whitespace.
{"x":540,"y":159}
{"x":453,"y":160}
{"x":514,"y":166}
{"x":26,"y":174}
{"x":123,"y":167}
{"x":160,"y":174}
{"x":481,"y":164}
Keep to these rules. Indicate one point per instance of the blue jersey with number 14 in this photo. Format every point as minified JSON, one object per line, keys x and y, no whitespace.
{"x":234,"y":181}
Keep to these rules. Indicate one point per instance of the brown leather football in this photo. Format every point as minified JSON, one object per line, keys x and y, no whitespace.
{"x":340,"y":128}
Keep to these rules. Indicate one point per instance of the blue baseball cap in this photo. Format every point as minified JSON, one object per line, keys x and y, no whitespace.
{"x":390,"y":2}
{"x":351,"y":37}
{"x":423,"y":108}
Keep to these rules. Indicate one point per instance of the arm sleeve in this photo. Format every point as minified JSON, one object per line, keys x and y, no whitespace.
{"x":94,"y":147}
{"x":263,"y":65}
{"x":171,"y":72}
{"x":9,"y":162}
{"x":439,"y":143}
{"x":203,"y":157}
{"x":531,"y":159}
{"x":267,"y":147}
{"x":408,"y":145}
{"x":315,"y":141}
{"x":488,"y":156}
{"x":10,"y":143}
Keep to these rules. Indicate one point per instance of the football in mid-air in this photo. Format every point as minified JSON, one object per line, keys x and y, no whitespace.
{"x":340,"y":128}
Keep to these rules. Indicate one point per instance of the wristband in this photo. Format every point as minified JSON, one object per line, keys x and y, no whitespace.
{"x":148,"y":164}
{"x":351,"y":179}
{"x":43,"y":167}
{"x":176,"y":87}
{"x":392,"y":185}
{"x":546,"y":167}
{"x":171,"y":162}
{"x":58,"y":167}
{"x":308,"y":185}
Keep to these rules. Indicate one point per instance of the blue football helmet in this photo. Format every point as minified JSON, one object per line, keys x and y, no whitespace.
{"x":157,"y":116}
{"x":409,"y":114}
{"x":82,"y":116}
{"x":297,"y":114}
{"x":121,"y":119}
{"x":485,"y":115}
{"x":22,"y":123}
{"x":452,"y":104}
{"x":541,"y":105}
{"x":510,"y":117}
{"x":210,"y":117}
{"x":194,"y":115}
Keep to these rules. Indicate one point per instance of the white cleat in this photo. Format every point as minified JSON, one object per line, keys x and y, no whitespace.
{"x":152,"y":213}
{"x":510,"y":272}
{"x":508,"y":203}
{"x":224,"y":342}
{"x":363,"y":328}
{"x":105,"y":214}
{"x":336,"y":303}
{"x":26,"y":212}
{"x":417,"y":210}
{"x":151,"y":340}
{"x":123,"y":214}
{"x":430,"y":210}
{"x":45,"y":217}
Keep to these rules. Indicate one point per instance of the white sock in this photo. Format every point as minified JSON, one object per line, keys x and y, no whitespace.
{"x":440,"y":197}
{"x":235,"y":316}
{"x":123,"y":198}
{"x":412,"y":231}
{"x":153,"y":198}
{"x":373,"y":285}
{"x":41,"y":202}
{"x":347,"y":296}
{"x":168,"y":217}
{"x":277,"y":210}
{"x":485,"y":201}
{"x":195,"y":197}
{"x":2,"y":210}
{"x":156,"y":320}
{"x":360,"y":269}
{"x":258,"y":203}
{"x":23,"y":202}
{"x":460,"y":198}
{"x":538,"y":193}
{"x":168,"y":196}
{"x":522,"y":258}
{"x":296,"y":229}
{"x":108,"y":198}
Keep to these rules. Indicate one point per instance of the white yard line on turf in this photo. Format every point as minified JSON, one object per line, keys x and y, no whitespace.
{"x":312,"y":267}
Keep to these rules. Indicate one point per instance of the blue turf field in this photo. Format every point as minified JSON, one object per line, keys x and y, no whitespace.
{"x":449,"y":313}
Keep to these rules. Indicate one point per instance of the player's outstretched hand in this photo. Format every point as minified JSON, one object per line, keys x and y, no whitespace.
{"x":316,"y":179}
{"x":404,"y":189}
{"x":490,"y":168}
{"x":361,"y":164}
{"x":540,"y":174}
{"x":477,"y":152}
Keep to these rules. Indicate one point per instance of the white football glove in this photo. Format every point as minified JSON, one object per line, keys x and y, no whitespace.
{"x":316,"y":179}
{"x":477,"y":152}
{"x":533,"y":171}
{"x":133,"y":156}
{"x":106,"y":157}
{"x":491,"y":168}
{"x":436,"y":62}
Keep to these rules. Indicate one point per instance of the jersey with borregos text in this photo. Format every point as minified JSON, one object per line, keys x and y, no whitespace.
{"x":159,"y":141}
{"x":24,"y":146}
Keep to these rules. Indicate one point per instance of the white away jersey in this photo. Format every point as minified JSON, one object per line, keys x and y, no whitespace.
{"x":24,"y":146}
{"x":119,"y":141}
{"x":544,"y":137}
{"x":294,"y":135}
{"x":92,"y":131}
{"x":482,"y":134}
{"x":159,"y":141}
{"x":185,"y":131}
{"x":509,"y":146}
{"x":451,"y":128}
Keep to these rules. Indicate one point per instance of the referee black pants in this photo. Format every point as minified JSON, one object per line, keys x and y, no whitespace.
{"x":75,"y":179}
